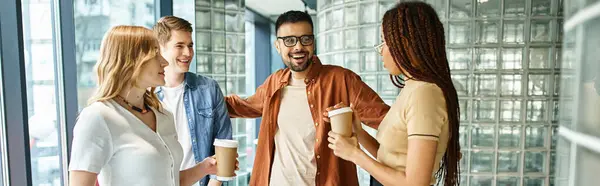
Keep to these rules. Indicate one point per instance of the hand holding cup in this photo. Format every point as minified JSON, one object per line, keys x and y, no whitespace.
{"x":340,"y":116}
{"x":226,"y":154}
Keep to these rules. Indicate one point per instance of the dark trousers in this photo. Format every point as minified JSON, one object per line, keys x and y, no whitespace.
{"x":374,"y":182}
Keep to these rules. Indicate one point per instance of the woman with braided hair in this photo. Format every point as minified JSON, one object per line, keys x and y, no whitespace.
{"x":417,"y":141}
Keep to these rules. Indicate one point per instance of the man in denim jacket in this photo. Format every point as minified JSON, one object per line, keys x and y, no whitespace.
{"x":196,"y":101}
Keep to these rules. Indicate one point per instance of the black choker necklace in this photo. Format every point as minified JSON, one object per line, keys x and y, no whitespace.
{"x":138,"y":109}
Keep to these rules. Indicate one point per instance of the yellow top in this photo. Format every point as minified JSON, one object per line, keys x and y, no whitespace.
{"x":419,"y":113}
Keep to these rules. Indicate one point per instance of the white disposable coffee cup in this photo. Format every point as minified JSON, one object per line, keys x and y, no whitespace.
{"x":341,"y":121}
{"x":226,"y":154}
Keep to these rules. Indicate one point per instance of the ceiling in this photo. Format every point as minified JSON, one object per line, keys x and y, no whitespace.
{"x":273,"y":8}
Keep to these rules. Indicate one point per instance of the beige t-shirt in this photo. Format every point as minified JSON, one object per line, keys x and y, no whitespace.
{"x":294,"y":162}
{"x":419,"y":113}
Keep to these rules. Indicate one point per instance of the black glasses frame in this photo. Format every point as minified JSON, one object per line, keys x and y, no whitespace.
{"x":312,"y":37}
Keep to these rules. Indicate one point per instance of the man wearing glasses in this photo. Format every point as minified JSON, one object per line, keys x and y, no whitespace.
{"x":292,"y":142}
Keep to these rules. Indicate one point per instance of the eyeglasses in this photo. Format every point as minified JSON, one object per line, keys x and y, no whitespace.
{"x":379,"y":47}
{"x":305,"y":40}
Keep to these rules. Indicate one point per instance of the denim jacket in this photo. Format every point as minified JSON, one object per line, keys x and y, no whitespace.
{"x":206,"y":113}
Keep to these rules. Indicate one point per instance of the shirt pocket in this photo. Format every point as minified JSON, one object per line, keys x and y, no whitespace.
{"x":205,"y":112}
{"x":204,"y":119}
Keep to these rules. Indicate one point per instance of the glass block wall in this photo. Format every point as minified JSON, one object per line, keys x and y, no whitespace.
{"x":578,"y":150}
{"x":220,"y":50}
{"x":346,"y":33}
{"x":504,"y":56}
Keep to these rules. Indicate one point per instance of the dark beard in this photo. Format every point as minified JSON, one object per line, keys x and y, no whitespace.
{"x":299,"y":68}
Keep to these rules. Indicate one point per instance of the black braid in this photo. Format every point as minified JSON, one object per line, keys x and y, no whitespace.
{"x":415,"y":38}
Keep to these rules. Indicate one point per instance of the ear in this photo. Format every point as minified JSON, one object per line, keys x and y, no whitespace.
{"x":277,"y":47}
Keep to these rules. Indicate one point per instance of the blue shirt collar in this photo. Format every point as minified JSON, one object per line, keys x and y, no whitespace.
{"x":189,"y":81}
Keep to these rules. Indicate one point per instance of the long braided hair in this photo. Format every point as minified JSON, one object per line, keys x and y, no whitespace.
{"x":415,"y":38}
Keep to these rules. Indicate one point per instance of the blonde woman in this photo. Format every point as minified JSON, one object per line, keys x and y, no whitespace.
{"x":125,"y":137}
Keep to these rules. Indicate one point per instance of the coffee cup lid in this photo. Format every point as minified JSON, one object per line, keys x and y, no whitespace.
{"x":226,"y":143}
{"x":339,"y":111}
{"x":221,"y":178}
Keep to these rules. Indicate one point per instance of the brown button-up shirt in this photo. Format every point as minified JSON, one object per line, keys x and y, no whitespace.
{"x":327,"y":85}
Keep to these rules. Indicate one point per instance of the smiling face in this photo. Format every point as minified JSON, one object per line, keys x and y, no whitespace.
{"x":152,"y":72}
{"x":296,"y":45}
{"x":178,"y":51}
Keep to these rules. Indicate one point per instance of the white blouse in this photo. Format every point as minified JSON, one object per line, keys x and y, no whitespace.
{"x":111,"y":141}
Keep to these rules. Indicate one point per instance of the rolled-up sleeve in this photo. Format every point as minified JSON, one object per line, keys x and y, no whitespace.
{"x":370,"y":107}
{"x":92,"y":143}
{"x":251,"y":107}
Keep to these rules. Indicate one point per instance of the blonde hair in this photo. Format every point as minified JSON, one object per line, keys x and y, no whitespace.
{"x":123,"y":53}
{"x":165,"y":25}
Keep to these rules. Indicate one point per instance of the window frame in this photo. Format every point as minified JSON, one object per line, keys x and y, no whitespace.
{"x":13,"y":75}
{"x":16,"y":156}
